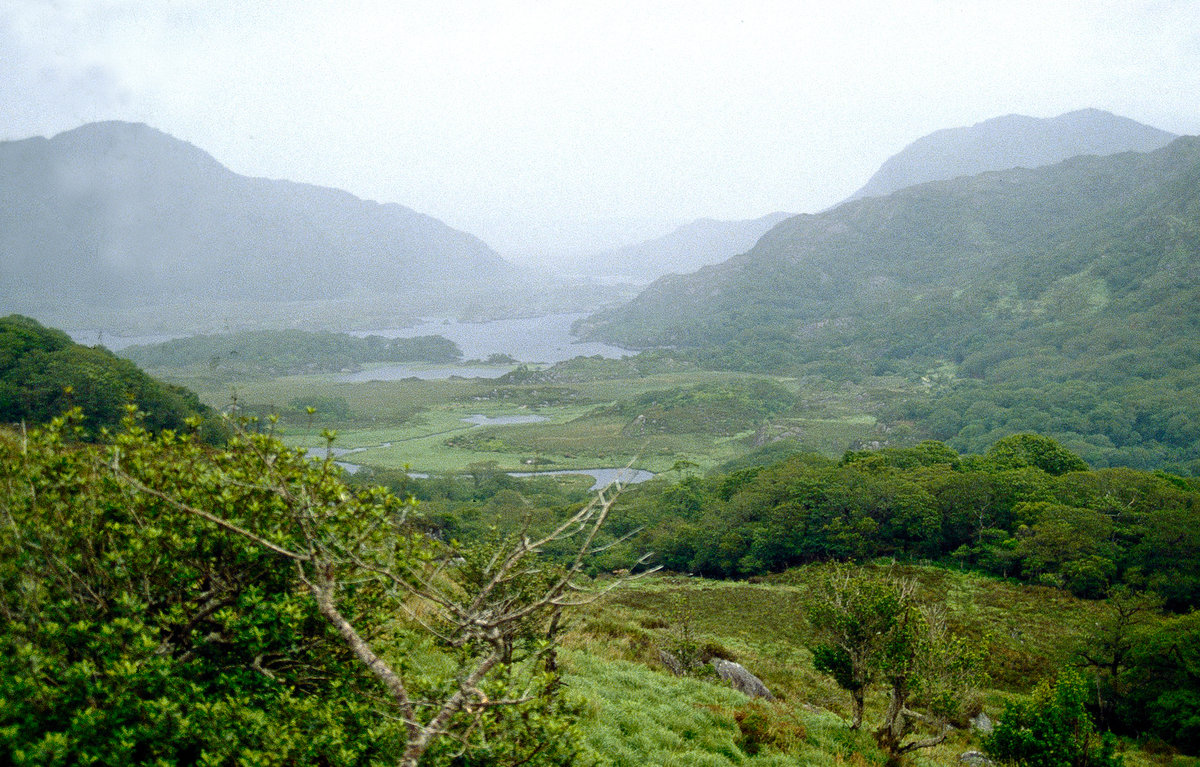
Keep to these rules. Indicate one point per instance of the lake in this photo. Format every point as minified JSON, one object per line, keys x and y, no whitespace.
{"x":500,"y":420}
{"x":544,"y":339}
{"x":603,"y":477}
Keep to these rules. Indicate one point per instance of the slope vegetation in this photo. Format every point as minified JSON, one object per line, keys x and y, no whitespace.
{"x":1061,"y":300}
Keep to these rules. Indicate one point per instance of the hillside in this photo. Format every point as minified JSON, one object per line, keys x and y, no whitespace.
{"x":1011,"y":141}
{"x":114,"y":214}
{"x":702,"y":242}
{"x":1021,"y":281}
{"x":43,"y":374}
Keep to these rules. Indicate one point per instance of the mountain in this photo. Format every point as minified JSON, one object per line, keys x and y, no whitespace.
{"x":1012,"y":141}
{"x":1062,"y":299}
{"x":702,"y":242}
{"x":119,"y":213}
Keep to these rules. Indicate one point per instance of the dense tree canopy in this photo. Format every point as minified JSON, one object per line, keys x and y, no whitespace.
{"x":43,"y":373}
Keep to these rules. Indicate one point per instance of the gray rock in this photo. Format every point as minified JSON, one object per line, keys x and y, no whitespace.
{"x":671,"y":663}
{"x":974,"y":759}
{"x":741,"y":679}
{"x":981,"y":722}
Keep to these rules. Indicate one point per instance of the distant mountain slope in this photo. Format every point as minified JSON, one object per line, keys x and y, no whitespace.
{"x":1064,"y":299}
{"x":120,"y":212}
{"x":702,"y":242}
{"x":1012,"y":141}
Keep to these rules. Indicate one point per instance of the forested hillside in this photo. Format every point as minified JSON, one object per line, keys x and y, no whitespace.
{"x":288,"y":352}
{"x":1059,"y":300}
{"x":43,"y":373}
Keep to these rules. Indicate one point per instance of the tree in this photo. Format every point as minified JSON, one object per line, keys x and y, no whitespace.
{"x":1161,"y":682}
{"x":1126,"y":612}
{"x":929,"y":667}
{"x":872,"y":628}
{"x":852,"y":617}
{"x":1021,"y":450}
{"x":42,"y":373}
{"x":252,"y":575}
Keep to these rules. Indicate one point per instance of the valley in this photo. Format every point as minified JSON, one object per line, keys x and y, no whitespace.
{"x":912,"y":480}
{"x":583,"y":406}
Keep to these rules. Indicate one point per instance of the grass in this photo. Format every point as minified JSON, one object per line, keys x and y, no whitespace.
{"x":417,"y":423}
{"x":640,"y":714}
{"x":637,"y":716}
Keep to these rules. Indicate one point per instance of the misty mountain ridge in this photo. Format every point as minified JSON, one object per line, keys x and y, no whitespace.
{"x":118,"y":213}
{"x":1059,"y":300}
{"x":1011,"y":141}
{"x":700,"y":243}
{"x":1018,"y":230}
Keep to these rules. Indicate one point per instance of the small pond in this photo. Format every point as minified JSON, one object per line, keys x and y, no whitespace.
{"x":484,"y":420}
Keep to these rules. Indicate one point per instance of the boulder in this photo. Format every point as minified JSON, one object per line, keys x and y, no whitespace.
{"x":741,"y":679}
{"x":671,"y":663}
{"x":975,"y":759}
{"x":981,"y":722}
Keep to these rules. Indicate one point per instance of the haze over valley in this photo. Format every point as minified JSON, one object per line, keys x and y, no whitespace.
{"x":608,"y":384}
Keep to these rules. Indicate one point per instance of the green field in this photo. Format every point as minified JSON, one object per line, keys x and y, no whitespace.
{"x":419,"y":423}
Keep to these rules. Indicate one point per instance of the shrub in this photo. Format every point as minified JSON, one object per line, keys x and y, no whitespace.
{"x":1052,"y":729}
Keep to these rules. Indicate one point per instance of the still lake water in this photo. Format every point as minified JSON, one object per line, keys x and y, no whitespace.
{"x":544,"y":339}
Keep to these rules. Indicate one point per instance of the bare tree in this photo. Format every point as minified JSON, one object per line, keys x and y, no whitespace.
{"x":344,"y":545}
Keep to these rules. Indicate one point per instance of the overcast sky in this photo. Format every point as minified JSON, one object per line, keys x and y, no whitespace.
{"x":546,"y":127}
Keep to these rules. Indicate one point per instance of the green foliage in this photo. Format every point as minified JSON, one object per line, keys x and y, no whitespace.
{"x":1052,"y":729}
{"x":855,"y":616}
{"x":1158,"y":689}
{"x":871,"y":625}
{"x":720,"y":408}
{"x":1085,"y":531}
{"x":134,"y":635}
{"x":288,"y":352}
{"x":42,"y":374}
{"x":1020,"y":451}
{"x":161,"y":605}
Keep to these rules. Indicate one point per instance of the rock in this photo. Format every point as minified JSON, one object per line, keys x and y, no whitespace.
{"x":981,"y":722}
{"x":671,"y":662}
{"x":974,"y":759}
{"x":741,"y":679}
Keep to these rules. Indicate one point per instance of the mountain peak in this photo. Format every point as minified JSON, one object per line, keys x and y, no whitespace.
{"x":118,"y":140}
{"x":122,"y":213}
{"x":1011,"y":141}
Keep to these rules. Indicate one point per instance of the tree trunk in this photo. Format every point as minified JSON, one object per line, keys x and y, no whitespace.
{"x":857,"y":697}
{"x":891,"y":733}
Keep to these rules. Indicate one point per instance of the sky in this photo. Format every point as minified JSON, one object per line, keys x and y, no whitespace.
{"x":552,"y":129}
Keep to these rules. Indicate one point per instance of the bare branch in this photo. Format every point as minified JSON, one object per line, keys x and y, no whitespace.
{"x":202,"y":514}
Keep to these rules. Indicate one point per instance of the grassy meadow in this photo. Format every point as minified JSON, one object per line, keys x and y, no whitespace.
{"x":419,"y":423}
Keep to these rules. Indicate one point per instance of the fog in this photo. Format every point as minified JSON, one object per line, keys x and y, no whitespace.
{"x":556,"y":129}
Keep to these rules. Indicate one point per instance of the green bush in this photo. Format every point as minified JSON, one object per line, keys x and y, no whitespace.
{"x":1052,"y":729}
